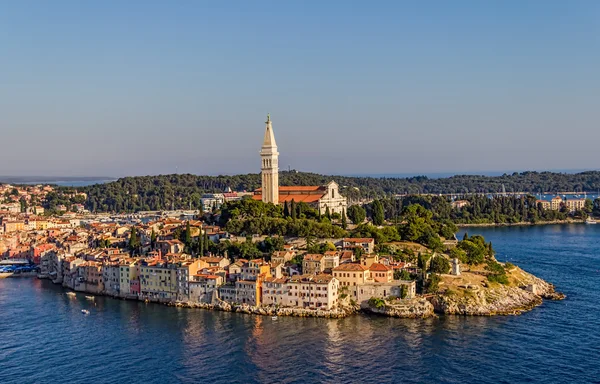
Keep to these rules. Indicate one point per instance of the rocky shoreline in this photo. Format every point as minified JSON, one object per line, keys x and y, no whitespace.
{"x":417,"y":308}
{"x":497,"y":300}
{"x":270,"y":310}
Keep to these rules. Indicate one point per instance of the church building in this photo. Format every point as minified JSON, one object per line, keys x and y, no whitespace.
{"x":319,"y":197}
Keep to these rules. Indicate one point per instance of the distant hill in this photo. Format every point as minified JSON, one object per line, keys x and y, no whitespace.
{"x":158,"y":192}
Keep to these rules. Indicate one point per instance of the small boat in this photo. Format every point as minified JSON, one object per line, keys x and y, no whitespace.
{"x":589,"y":220}
{"x":90,"y":297}
{"x":72,"y":294}
{"x":85,"y":311}
{"x":273,"y":317}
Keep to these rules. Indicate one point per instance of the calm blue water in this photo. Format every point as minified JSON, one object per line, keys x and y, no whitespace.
{"x":45,"y":338}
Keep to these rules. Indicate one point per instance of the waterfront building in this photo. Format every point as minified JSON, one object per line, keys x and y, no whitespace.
{"x":158,"y":280}
{"x":351,"y":275}
{"x":545,"y":204}
{"x":312,"y":291}
{"x":202,"y":287}
{"x":385,"y":289}
{"x":275,"y":291}
{"x":248,"y":292}
{"x":381,"y":273}
{"x":555,"y":203}
{"x":575,"y":204}
{"x":185,"y":271}
{"x":111,"y":278}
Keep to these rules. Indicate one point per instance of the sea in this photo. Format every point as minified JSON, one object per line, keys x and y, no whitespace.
{"x":45,"y":338}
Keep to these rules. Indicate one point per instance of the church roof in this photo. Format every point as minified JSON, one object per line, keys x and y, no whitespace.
{"x":299,"y":188}
{"x":303,"y":197}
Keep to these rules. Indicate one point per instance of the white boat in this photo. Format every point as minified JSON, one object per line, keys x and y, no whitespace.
{"x":85,"y":311}
{"x":71,"y":294}
{"x":589,"y":220}
{"x":90,"y":297}
{"x":273,"y":317}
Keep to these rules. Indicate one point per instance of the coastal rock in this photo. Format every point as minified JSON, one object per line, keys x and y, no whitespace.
{"x":497,"y":299}
{"x":413,"y":308}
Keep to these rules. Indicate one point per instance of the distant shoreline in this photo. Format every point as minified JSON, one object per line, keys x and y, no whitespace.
{"x":522,"y":223}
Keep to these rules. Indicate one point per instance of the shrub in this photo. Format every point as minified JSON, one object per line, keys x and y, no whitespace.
{"x":440,"y":264}
{"x":376,"y":302}
{"x":502,"y":279}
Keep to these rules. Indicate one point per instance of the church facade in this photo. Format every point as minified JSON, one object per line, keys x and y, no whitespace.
{"x":320,"y":197}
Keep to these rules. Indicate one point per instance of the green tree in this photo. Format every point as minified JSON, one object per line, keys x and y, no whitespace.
{"x":475,"y":251}
{"x":378,"y":214}
{"x":206,"y":243}
{"x":286,"y":210}
{"x":432,"y":284}
{"x":134,"y":241}
{"x":403,"y":291}
{"x":344,"y":221}
{"x":153,"y":239}
{"x":200,"y":244}
{"x":402,"y":274}
{"x":357,"y":214}
{"x":589,"y":206}
{"x":440,"y":264}
{"x":327,"y":213}
{"x":293,"y":210}
{"x":187,"y":240}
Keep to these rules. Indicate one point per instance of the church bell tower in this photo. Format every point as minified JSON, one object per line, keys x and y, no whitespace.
{"x":269,"y":166}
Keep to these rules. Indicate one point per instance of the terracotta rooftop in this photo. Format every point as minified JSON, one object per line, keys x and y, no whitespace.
{"x":379,"y":267}
{"x":349,"y":267}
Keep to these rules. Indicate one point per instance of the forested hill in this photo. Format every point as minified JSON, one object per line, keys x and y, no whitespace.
{"x":157,"y":192}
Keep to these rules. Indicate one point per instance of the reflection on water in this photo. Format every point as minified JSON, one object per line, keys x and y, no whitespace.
{"x":45,"y":338}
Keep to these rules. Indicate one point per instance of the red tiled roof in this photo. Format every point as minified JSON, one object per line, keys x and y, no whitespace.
{"x":297,"y":188}
{"x":299,"y":198}
{"x":379,"y":267}
{"x":350,"y":267}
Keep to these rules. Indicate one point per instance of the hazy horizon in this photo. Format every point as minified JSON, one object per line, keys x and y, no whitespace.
{"x":432,"y":175}
{"x":146,"y":88}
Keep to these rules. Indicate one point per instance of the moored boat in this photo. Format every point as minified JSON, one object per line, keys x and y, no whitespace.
{"x":85,"y":311}
{"x":589,"y":220}
{"x":90,"y":297}
{"x":72,"y":294}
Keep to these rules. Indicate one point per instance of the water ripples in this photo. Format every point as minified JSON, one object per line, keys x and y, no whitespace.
{"x":45,"y":338}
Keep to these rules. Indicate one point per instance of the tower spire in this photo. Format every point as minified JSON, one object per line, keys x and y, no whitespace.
{"x":269,"y":165}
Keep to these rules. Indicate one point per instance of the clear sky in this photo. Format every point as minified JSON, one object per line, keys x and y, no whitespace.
{"x":147,"y":87}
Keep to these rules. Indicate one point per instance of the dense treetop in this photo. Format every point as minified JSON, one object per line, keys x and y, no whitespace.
{"x":185,"y":190}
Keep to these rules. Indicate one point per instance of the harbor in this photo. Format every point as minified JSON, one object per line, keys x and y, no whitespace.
{"x":17,"y":268}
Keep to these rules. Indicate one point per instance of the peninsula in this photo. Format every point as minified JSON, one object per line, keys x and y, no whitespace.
{"x":300,"y":250}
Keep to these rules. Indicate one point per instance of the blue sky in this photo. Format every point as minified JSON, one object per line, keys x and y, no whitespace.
{"x":148,"y":87}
